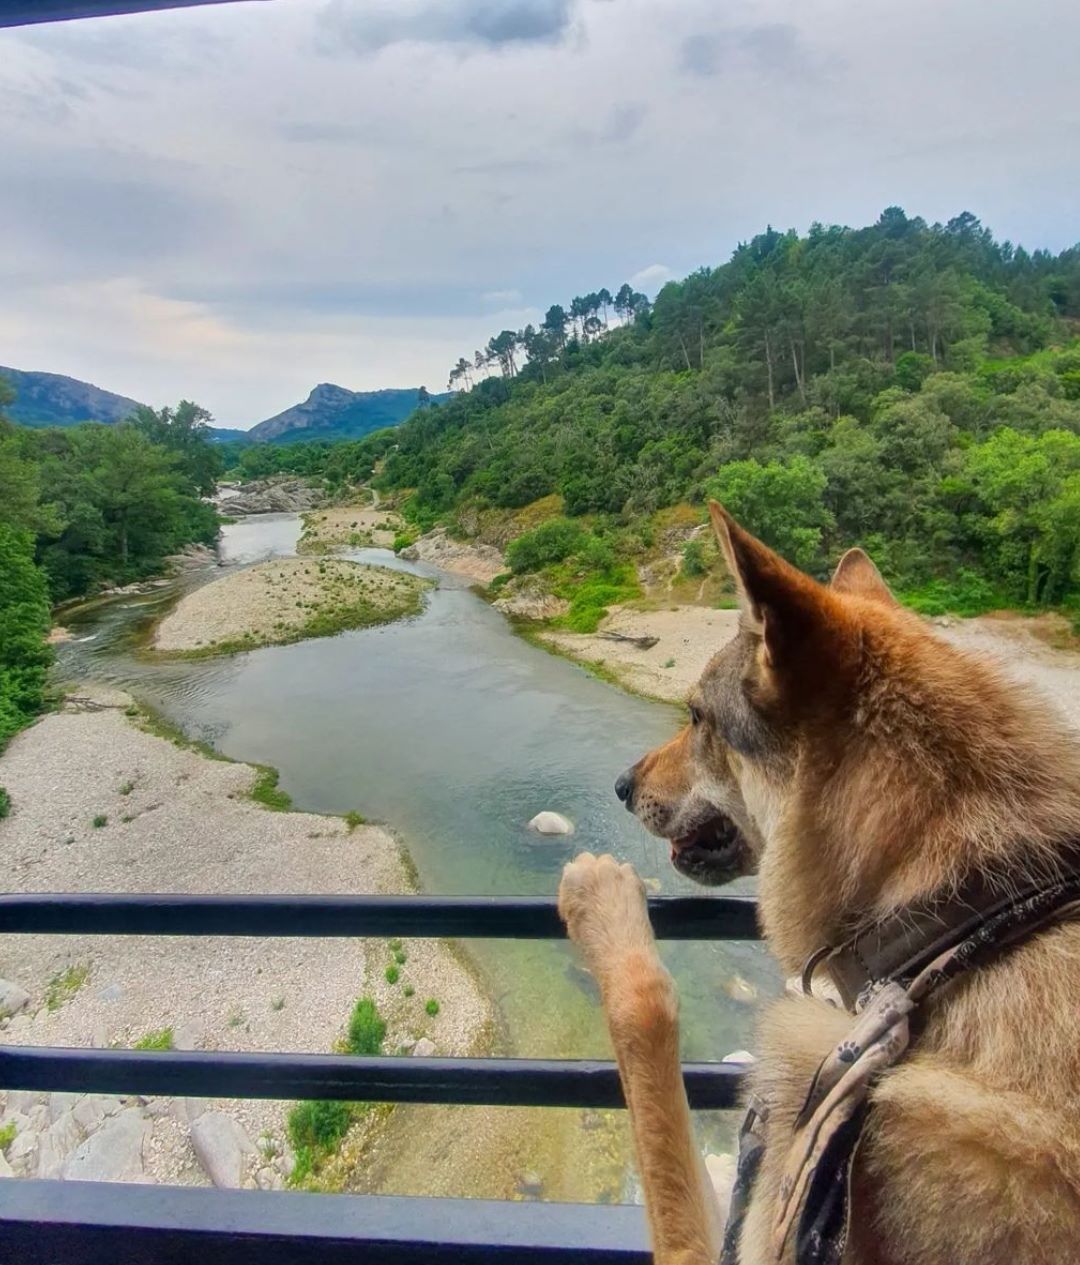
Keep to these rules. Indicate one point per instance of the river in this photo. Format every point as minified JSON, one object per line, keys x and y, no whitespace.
{"x":455,"y":732}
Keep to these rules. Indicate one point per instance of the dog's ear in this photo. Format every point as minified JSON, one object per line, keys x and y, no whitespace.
{"x":856,"y":574}
{"x":788,"y":607}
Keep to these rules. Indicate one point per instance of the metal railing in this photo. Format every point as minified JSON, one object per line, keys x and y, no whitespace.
{"x":87,"y":1222}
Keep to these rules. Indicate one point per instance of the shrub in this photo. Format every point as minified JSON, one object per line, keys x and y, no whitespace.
{"x":366,"y":1028}
{"x":7,"y":1135}
{"x":551,"y":542}
{"x":5,"y":803}
{"x":65,"y":985}
{"x":99,"y":821}
{"x":392,"y":975}
{"x":354,"y":819}
{"x":432,"y":1007}
{"x":408,"y":990}
{"x":400,"y":957}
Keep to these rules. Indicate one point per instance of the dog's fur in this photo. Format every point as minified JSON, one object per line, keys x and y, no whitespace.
{"x":859,"y":764}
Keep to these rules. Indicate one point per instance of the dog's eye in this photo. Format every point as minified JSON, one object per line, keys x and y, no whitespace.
{"x":695,"y":714}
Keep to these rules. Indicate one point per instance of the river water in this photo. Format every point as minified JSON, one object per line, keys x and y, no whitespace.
{"x":455,"y":732}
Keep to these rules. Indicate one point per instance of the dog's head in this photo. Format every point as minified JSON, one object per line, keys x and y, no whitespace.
{"x":717,"y":789}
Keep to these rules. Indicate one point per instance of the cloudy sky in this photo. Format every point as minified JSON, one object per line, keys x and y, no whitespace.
{"x":236,"y":202}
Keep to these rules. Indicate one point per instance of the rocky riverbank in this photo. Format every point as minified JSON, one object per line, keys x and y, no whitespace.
{"x":99,"y":802}
{"x":281,"y":494}
{"x":349,"y":527}
{"x":286,"y":600}
{"x":471,"y":559}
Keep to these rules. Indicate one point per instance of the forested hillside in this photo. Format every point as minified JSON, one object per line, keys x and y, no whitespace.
{"x":911,"y":387}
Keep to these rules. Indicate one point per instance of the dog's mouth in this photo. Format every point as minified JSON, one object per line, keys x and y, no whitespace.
{"x":712,"y":853}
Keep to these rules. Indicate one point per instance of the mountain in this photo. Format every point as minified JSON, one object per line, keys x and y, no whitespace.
{"x":51,"y":399}
{"x":333,"y":412}
{"x":330,"y":412}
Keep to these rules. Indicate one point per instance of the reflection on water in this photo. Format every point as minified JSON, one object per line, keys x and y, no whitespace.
{"x":455,"y":732}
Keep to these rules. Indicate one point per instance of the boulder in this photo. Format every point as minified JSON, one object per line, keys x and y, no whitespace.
{"x":12,"y":997}
{"x":5,"y":1168}
{"x":23,"y":1152}
{"x":60,"y":1105}
{"x":89,"y":1112}
{"x":57,"y":1143}
{"x":424,"y":1048}
{"x":221,"y":1145}
{"x":113,"y":1154}
{"x":548,"y":823}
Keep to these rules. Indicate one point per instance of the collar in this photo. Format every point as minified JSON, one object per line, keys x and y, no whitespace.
{"x":900,"y":945}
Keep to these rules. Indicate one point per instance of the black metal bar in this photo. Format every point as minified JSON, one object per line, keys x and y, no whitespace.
{"x":217,"y":1074}
{"x":28,"y":12}
{"x":87,"y":1223}
{"x":482,"y":917}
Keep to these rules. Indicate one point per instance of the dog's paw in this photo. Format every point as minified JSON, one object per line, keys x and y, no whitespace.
{"x":603,"y":906}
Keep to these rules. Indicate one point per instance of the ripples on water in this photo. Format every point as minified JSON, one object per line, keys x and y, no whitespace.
{"x":455,"y":732}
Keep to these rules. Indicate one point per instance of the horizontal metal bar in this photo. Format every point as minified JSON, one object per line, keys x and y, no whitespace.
{"x":28,"y":12}
{"x":482,"y":917}
{"x":217,"y":1074}
{"x":86,"y":1223}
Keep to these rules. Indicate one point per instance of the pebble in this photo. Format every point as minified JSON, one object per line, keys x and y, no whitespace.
{"x":424,"y":1048}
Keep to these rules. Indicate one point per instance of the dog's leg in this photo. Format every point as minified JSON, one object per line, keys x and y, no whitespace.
{"x":603,"y":906}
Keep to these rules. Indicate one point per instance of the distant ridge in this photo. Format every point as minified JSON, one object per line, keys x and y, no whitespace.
{"x":330,"y":412}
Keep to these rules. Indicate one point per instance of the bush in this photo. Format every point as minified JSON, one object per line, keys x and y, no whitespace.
{"x":392,"y":975}
{"x":5,"y":803}
{"x":432,"y":1007}
{"x":552,"y":541}
{"x":967,"y":594}
{"x":99,"y":821}
{"x":317,"y":1126}
{"x":366,"y":1029}
{"x":693,"y":558}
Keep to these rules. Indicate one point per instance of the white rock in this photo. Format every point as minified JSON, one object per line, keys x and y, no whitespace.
{"x":741,"y":990}
{"x":268,"y":1179}
{"x":39,"y":1118}
{"x":5,"y":1168}
{"x":12,"y":997}
{"x":114,"y":1153}
{"x":57,"y":1143}
{"x":424,"y":1048}
{"x":22,"y":1153}
{"x":60,"y":1105}
{"x":111,"y":992}
{"x":548,"y":823}
{"x":19,"y":1119}
{"x":739,"y":1056}
{"x":285,"y":1163}
{"x":221,"y":1144}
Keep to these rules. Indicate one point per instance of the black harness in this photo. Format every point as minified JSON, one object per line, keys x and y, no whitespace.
{"x":884,"y":974}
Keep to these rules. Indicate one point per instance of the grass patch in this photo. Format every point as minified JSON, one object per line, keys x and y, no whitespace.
{"x":354,"y":819}
{"x":408,"y":990}
{"x":965,"y":594}
{"x":392,"y":974}
{"x":63,"y":987}
{"x":278,"y":1003}
{"x":400,"y":957}
{"x":267,"y":792}
{"x":153,"y":722}
{"x":127,"y":788}
{"x":316,"y":1127}
{"x":159,"y":1039}
{"x":99,"y":821}
{"x":432,"y":1007}
{"x":5,"y":803}
{"x":7,"y":1135}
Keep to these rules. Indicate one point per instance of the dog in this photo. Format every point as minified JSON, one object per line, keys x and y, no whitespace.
{"x":859,"y":765}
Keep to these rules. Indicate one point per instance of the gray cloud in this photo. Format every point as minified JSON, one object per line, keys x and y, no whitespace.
{"x":203,"y":204}
{"x":770,"y":48}
{"x":367,"y":27}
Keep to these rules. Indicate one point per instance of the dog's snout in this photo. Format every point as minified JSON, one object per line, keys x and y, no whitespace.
{"x":624,"y":788}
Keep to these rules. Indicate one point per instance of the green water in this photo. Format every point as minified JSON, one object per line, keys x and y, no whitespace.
{"x":455,"y":732}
